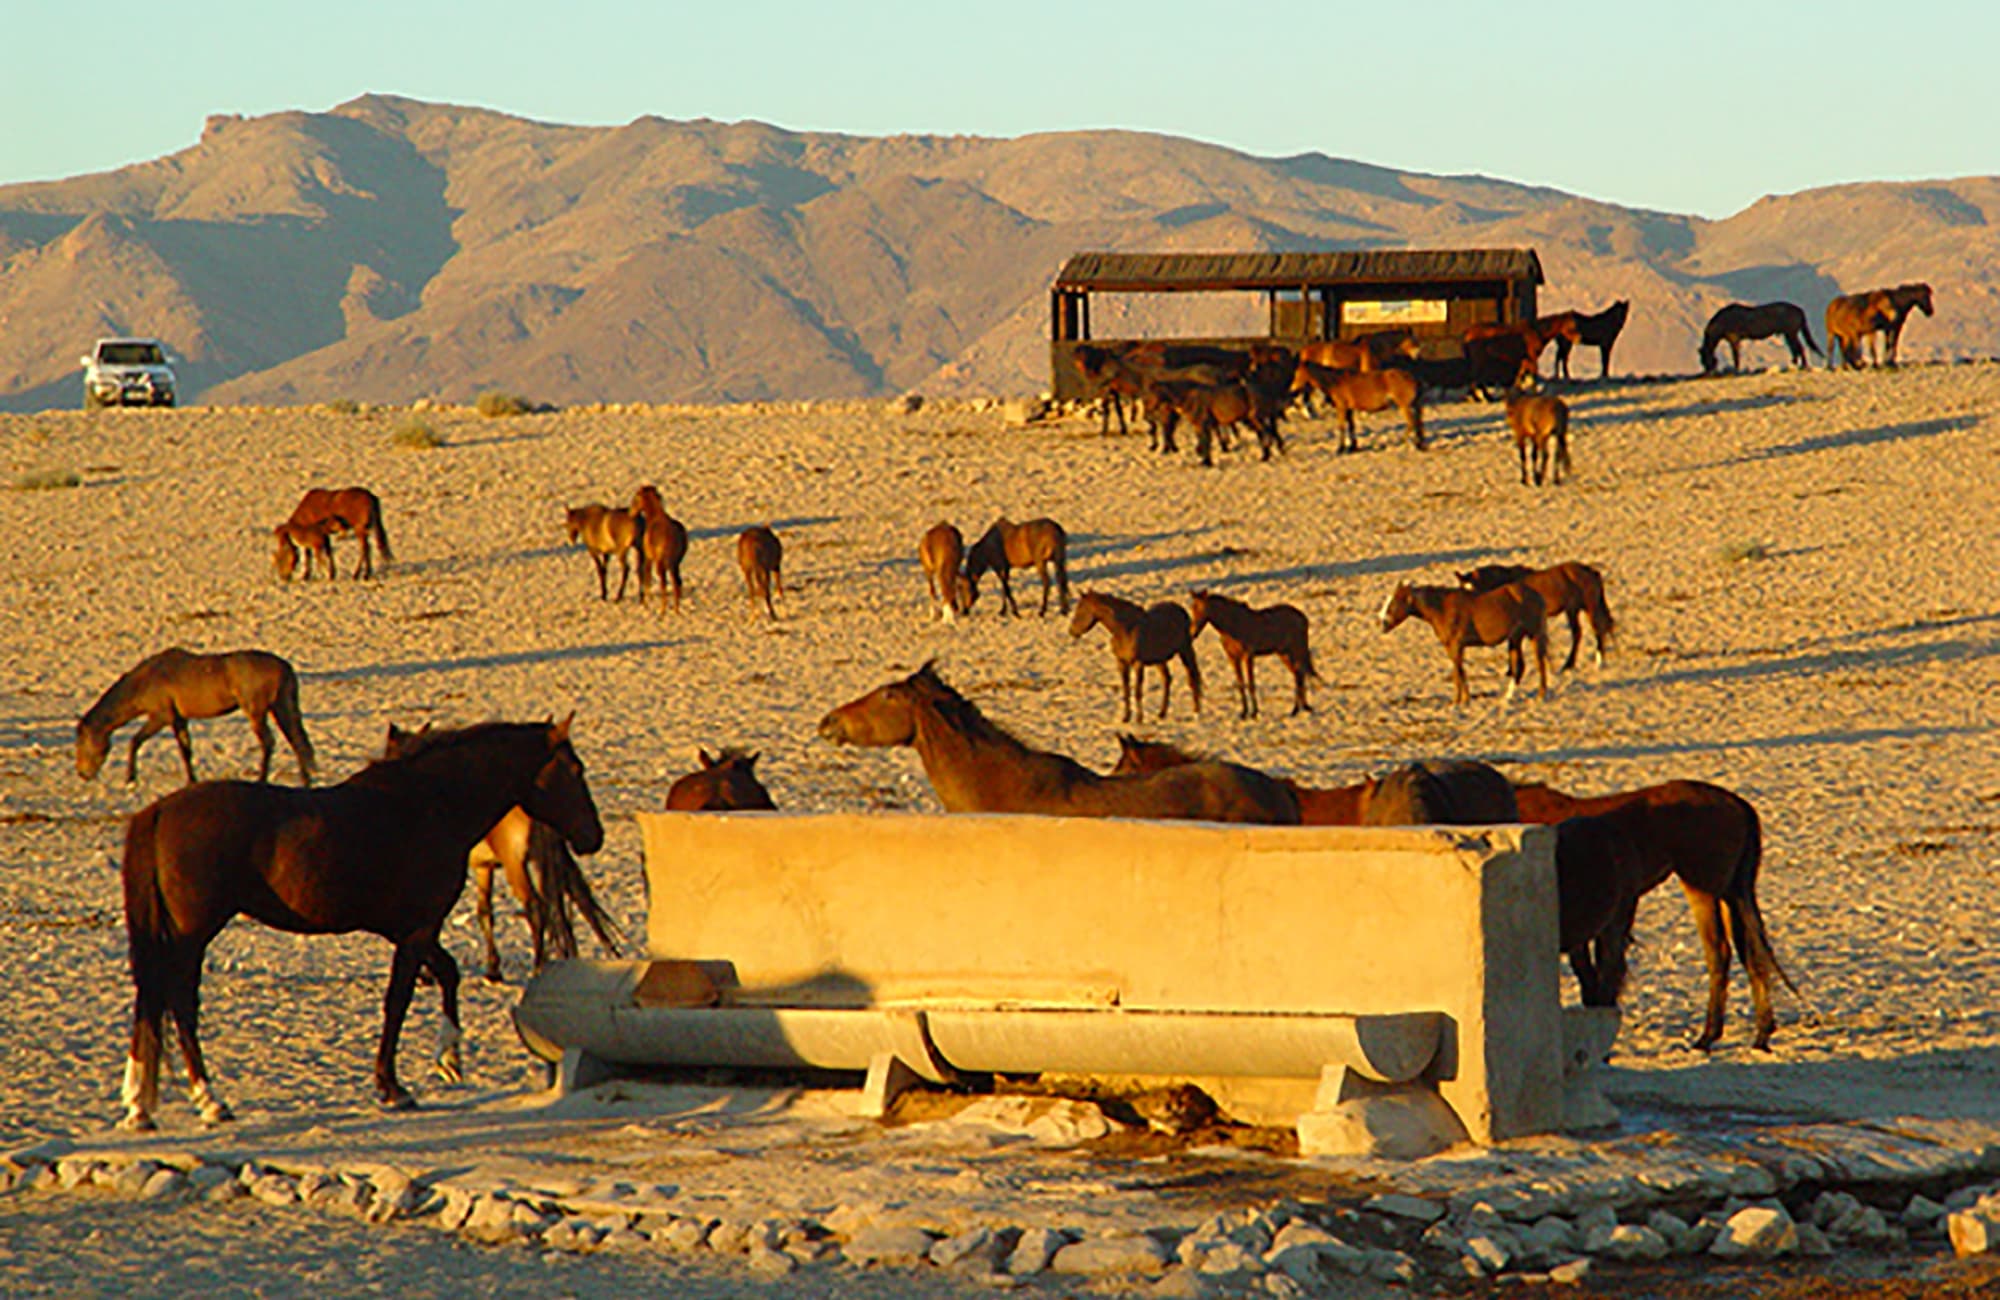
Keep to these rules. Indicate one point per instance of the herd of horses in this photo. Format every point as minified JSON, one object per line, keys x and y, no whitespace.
{"x":1854,"y":324}
{"x":647,"y":534}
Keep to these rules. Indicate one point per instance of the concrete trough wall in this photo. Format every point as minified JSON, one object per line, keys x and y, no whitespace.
{"x":997,"y":932}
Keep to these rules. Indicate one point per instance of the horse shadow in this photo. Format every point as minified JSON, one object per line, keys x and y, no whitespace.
{"x":479,"y":663}
{"x":779,"y":526}
{"x":494,"y":439}
{"x":492,"y":560}
{"x":1818,"y":662}
{"x":1744,"y":1096}
{"x":1712,"y":745}
{"x":1881,"y":433}
{"x":1589,"y":417}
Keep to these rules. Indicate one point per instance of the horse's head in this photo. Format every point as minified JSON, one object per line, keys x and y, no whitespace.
{"x":1708,"y":362}
{"x":1920,"y":297}
{"x":560,"y":795}
{"x":576,"y":519}
{"x":726,"y":782}
{"x":885,"y":716}
{"x":1400,"y":605}
{"x":284,"y":554}
{"x":92,"y":744}
{"x":646,"y":501}
{"x":1088,"y":612}
{"x":1198,"y":611}
{"x":1138,"y":757}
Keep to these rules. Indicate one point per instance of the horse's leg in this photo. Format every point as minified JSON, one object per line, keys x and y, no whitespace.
{"x":184,"y":1001}
{"x":675,"y":572}
{"x":603,"y":589}
{"x":1588,"y":988}
{"x":624,"y":572}
{"x":141,"y":1090}
{"x":410,"y":954}
{"x":1609,"y":948}
{"x":444,"y":970}
{"x":1708,"y":923}
{"x":1247,"y":684}
{"x":148,"y":727}
{"x":1297,"y":663}
{"x":482,"y":907}
{"x":1517,"y":666}
{"x":182,"y":739}
{"x":1007,"y":605}
{"x":1166,"y":688}
{"x":1461,"y":693}
{"x":365,"y":566}
{"x":1042,"y":571}
{"x":1193,"y":669}
{"x":260,"y":724}
{"x":1125,"y":689}
{"x":1521,"y":449}
{"x":1575,"y":617}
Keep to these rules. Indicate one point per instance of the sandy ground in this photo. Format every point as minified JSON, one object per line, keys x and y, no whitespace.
{"x":1803,"y":567}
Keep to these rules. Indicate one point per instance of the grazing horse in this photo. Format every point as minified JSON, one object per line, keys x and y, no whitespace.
{"x":1511,"y":614}
{"x":1458,"y":792}
{"x":663,"y":544}
{"x":1348,"y":391}
{"x":1712,"y":840}
{"x":1599,"y":331}
{"x":174,"y":685}
{"x":976,"y":766}
{"x":1739,"y":322}
{"x":1570,"y":589}
{"x":1247,"y":633}
{"x":353,"y":510}
{"x":290,"y":540}
{"x":1854,"y":318}
{"x":942,"y":555}
{"x":541,"y":874}
{"x":1541,"y":425}
{"x":1141,"y":637}
{"x":761,"y":556}
{"x":384,"y":851}
{"x":726,"y":782}
{"x":606,"y":531}
{"x":1007,"y":546}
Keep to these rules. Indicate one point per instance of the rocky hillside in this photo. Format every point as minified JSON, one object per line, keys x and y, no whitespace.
{"x":392,"y":249}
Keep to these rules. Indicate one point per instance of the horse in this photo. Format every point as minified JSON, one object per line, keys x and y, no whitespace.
{"x":1712,"y":840}
{"x":663,"y":544}
{"x":384,"y":851}
{"x":1213,"y":408}
{"x":174,"y":685}
{"x":941,"y":552}
{"x":1513,"y":349}
{"x":1600,"y":331}
{"x":1570,"y":589}
{"x":1739,"y":321}
{"x":1457,"y":792}
{"x":1540,"y":423}
{"x":1856,"y":317}
{"x":1141,"y":637}
{"x":1247,"y":633}
{"x":353,"y":510}
{"x":1336,"y":806}
{"x":976,"y":766}
{"x":541,"y":873}
{"x":290,"y":540}
{"x":726,"y":782}
{"x":761,"y":556}
{"x":1348,"y":391}
{"x":1512,"y":614}
{"x":606,"y":531}
{"x":1007,"y":546}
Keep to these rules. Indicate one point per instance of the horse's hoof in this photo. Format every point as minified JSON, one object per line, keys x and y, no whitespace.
{"x":218,"y":1115}
{"x":138,"y":1122}
{"x":400,"y":1101}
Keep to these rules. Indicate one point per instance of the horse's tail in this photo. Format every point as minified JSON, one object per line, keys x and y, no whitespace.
{"x":1745,"y":918}
{"x":148,"y":940}
{"x":381,"y":534}
{"x":1805,"y":328}
{"x":1192,"y":663}
{"x":1600,"y":612}
{"x":292,"y":723}
{"x":561,"y":885}
{"x":1062,"y":568}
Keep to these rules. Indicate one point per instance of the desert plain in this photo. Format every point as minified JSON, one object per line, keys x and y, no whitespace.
{"x":1804,"y":568}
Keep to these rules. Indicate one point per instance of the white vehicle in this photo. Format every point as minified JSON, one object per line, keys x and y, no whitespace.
{"x":128,"y":372}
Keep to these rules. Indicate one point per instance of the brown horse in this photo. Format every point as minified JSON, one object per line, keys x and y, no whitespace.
{"x":605,"y":531}
{"x":174,"y":685}
{"x":941,"y":552}
{"x":1570,"y":589}
{"x":1493,"y":348}
{"x":1854,"y":318}
{"x":726,"y":782}
{"x":290,"y":540}
{"x":1599,"y":330}
{"x":663,"y":544}
{"x":1348,"y":391}
{"x":1458,"y":792}
{"x":761,"y":556}
{"x":1335,"y":806}
{"x":1215,"y":408}
{"x":353,"y":510}
{"x":1246,"y":633}
{"x":976,"y":766}
{"x":1512,"y":614}
{"x":1739,"y":322}
{"x":383,"y":851}
{"x":1712,"y":840}
{"x":1141,"y":637}
{"x":1371,"y":351}
{"x":1541,"y":433}
{"x":1007,"y":546}
{"x":541,"y":874}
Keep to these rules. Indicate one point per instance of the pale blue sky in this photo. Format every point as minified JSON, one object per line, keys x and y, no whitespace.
{"x":1680,"y":105}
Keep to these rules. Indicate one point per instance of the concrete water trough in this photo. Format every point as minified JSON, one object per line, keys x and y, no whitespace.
{"x":1386,"y":990}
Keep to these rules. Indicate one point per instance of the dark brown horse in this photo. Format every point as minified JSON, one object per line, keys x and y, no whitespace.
{"x":605,"y":531}
{"x":353,"y":510}
{"x":1541,"y":433}
{"x":314,"y":540}
{"x":976,"y":766}
{"x":1599,"y":331}
{"x":540,"y":872}
{"x":663,"y":544}
{"x":1512,"y":614}
{"x":1335,"y":806}
{"x":1712,"y":840}
{"x":1141,"y":637}
{"x":1513,"y":350}
{"x":1739,"y":322}
{"x":174,"y":685}
{"x":1007,"y":546}
{"x":761,"y":556}
{"x":1246,"y":633}
{"x":726,"y":782}
{"x":1349,"y":391}
{"x":941,"y":552}
{"x":1570,"y":589}
{"x":383,"y":851}
{"x":1855,"y":318}
{"x":1455,"y":792}
{"x":1213,"y":409}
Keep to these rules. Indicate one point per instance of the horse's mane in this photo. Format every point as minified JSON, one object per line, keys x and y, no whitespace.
{"x":415,"y":745}
{"x":962,"y":715}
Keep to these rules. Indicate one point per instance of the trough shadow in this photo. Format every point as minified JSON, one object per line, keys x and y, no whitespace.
{"x":473,"y":663}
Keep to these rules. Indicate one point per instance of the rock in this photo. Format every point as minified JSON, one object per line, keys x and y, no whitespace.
{"x":1405,"y":1125}
{"x":1570,"y":1274}
{"x":1552,"y":1235}
{"x":163,"y":1184}
{"x":205,"y":1176}
{"x":907,"y":404}
{"x":683,"y":1235}
{"x":129,"y":1180}
{"x":229,"y":1189}
{"x":1629,"y":1241}
{"x":1973,"y":1232}
{"x":1757,"y":1232}
{"x":275,"y":1189}
{"x":1922,"y":1214}
{"x":1487,"y":1253}
{"x":768,"y":1263}
{"x":1121,"y":1254}
{"x":1032,"y":1253}
{"x":1277,"y":1284}
{"x":73,"y":1172}
{"x":727,"y":1238}
{"x":1813,"y":1242}
{"x":979,"y":1249}
{"x":625,"y":1240}
{"x":1600,"y":1219}
{"x":1398,"y":1206}
{"x":894,"y":1247}
{"x":1018,"y":412}
{"x":1047,"y":1121}
{"x":1224,"y":1257}
{"x":1672,"y":1229}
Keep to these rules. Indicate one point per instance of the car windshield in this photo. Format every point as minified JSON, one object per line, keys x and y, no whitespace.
{"x":130,"y":354}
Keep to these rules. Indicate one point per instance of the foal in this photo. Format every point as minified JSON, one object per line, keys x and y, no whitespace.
{"x":314,"y":539}
{"x":1247,"y":633}
{"x":1511,"y":614}
{"x":1141,"y":637}
{"x":353,"y":510}
{"x":761,"y":556}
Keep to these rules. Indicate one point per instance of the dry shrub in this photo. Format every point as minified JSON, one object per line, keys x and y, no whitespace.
{"x":416,"y":434}
{"x":495,"y":404}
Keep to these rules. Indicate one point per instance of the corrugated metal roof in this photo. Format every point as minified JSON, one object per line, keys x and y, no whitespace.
{"x":1289,"y":270}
